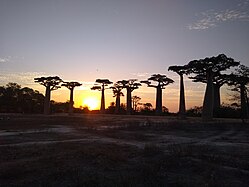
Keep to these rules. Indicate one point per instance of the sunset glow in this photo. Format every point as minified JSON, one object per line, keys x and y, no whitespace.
{"x":91,"y":102}
{"x":119,"y":40}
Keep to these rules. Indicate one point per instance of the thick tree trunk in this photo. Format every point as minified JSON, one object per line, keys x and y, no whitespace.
{"x":70,"y":111}
{"x":102,"y":107}
{"x":216,"y":96}
{"x":182,"y":106}
{"x":244,"y":109}
{"x":128,"y":102}
{"x":117,"y":108}
{"x":158,"y":100}
{"x":47,"y":101}
{"x":207,"y":112}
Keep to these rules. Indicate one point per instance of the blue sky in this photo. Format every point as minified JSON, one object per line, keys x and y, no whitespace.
{"x":87,"y":39}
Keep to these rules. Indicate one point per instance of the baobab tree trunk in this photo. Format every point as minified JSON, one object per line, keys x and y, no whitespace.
{"x":216,"y":96}
{"x":207,"y":112}
{"x":102,"y":107}
{"x":47,"y":101}
{"x":182,"y":106}
{"x":134,"y":106}
{"x":244,"y":109}
{"x":158,"y":100}
{"x":71,"y":102}
{"x":128,"y":101}
{"x":247,"y":104}
{"x":117,"y":108}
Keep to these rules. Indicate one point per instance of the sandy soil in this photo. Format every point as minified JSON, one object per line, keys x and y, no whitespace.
{"x":111,"y":150}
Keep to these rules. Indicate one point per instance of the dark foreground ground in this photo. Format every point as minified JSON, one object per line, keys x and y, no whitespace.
{"x":108,"y":150}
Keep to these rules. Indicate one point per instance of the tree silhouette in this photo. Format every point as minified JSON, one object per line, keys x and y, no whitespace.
{"x":130,"y":86}
{"x":101,"y":84}
{"x":162,"y":81}
{"x":209,"y":68}
{"x":135,"y":101}
{"x":13,"y":98}
{"x":218,"y":81}
{"x":30,"y":101}
{"x":10,"y":97}
{"x":71,"y":86}
{"x":117,"y":92}
{"x":51,"y":83}
{"x":240,"y":79}
{"x":181,"y":70}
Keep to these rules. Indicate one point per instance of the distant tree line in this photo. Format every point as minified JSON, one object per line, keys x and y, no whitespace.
{"x":13,"y":98}
{"x":210,"y":71}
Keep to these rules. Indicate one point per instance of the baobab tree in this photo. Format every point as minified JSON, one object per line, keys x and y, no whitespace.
{"x":240,"y":79}
{"x":218,"y":81}
{"x":130,"y":86}
{"x":161,"y":82}
{"x":117,"y":92}
{"x":135,"y":101}
{"x":101,"y":86}
{"x":209,"y":67}
{"x":181,"y":70}
{"x":51,"y":83}
{"x":71,"y":86}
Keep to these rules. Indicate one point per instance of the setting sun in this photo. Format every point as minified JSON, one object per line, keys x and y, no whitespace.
{"x":91,"y":103}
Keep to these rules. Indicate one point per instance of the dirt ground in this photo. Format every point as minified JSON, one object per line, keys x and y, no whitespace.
{"x":113,"y":150}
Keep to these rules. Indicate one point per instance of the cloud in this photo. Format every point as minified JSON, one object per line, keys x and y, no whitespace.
{"x":243,"y":3}
{"x":212,"y":18}
{"x":4,"y":60}
{"x":23,"y":78}
{"x":11,"y":59}
{"x":141,"y":74}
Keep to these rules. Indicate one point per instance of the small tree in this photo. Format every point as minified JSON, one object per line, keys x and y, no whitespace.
{"x":130,"y":86}
{"x":51,"y":83}
{"x":181,"y":70}
{"x":71,"y":86}
{"x":117,"y":92}
{"x":209,"y":67}
{"x":135,"y":101}
{"x":101,"y":86}
{"x":162,"y":81}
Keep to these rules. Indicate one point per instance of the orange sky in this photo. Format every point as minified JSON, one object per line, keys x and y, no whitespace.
{"x":85,"y":40}
{"x":194,"y":93}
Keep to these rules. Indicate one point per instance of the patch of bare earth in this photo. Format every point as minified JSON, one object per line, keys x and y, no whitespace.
{"x":111,"y":150}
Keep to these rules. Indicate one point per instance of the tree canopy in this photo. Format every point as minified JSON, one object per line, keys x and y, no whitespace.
{"x":162,"y":81}
{"x":53,"y":82}
{"x":101,"y":83}
{"x":213,"y":64}
{"x":71,"y":85}
{"x":131,"y":83}
{"x":180,"y":70}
